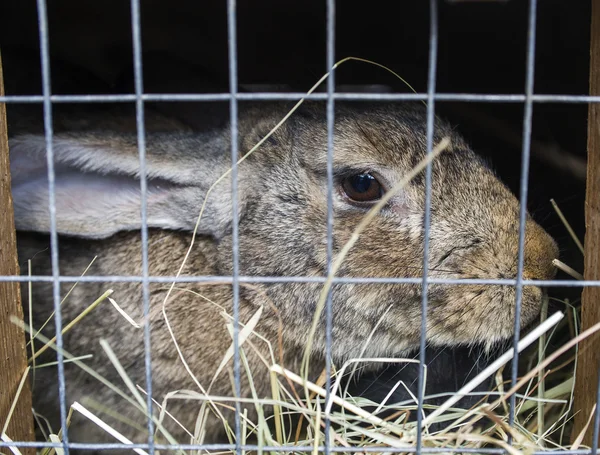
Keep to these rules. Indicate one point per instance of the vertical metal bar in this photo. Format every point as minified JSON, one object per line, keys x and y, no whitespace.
{"x":48,"y":133}
{"x":233,"y":108}
{"x":330,"y":134}
{"x":141,"y":139}
{"x":596,"y":419}
{"x":523,"y":196}
{"x":431,"y":80}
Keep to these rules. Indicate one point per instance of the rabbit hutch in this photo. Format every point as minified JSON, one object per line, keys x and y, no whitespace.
{"x":520,"y":81}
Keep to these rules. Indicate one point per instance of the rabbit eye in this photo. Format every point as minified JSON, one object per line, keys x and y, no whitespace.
{"x":362,"y":188}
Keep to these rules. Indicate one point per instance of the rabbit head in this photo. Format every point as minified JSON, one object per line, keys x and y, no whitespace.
{"x":282,"y":215}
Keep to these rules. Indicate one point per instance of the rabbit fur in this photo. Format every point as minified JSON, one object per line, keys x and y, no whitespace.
{"x":282,"y":209}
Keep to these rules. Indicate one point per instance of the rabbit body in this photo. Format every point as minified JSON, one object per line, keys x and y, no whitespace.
{"x":282,"y":210}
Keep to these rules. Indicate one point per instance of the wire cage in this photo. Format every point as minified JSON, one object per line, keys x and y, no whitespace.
{"x":234,"y":96}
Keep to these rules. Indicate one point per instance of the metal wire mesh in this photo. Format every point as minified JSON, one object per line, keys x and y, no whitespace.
{"x":47,"y":99}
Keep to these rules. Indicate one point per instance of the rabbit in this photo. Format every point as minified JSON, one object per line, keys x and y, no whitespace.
{"x":282,"y":209}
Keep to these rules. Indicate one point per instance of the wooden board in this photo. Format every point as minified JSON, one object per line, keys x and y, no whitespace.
{"x":589,"y":358}
{"x":13,"y":359}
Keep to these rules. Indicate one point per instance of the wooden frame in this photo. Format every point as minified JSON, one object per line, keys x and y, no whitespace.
{"x":589,"y":350}
{"x":13,"y":358}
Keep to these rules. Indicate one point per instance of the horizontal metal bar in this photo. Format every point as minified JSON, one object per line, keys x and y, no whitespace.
{"x":266,"y":96}
{"x":109,"y":446}
{"x":293,"y":279}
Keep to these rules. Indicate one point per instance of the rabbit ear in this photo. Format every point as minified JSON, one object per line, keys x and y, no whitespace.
{"x":97,"y":186}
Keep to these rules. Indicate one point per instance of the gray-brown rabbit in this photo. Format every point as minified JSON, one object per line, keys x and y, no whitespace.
{"x":282,"y":232}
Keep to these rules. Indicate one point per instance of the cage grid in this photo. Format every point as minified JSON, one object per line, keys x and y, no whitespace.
{"x":47,"y":99}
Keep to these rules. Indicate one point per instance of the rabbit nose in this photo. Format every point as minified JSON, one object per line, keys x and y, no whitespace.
{"x":540,"y":250}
